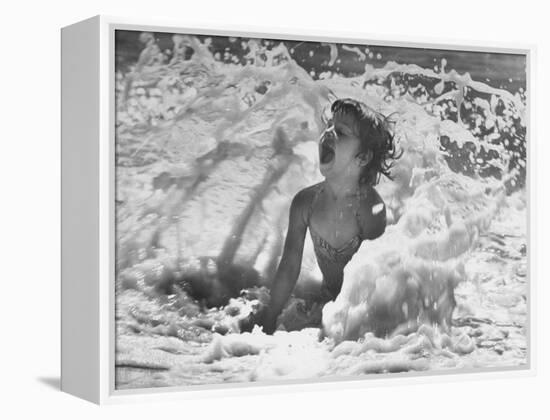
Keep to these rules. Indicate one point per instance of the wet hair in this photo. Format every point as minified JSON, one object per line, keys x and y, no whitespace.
{"x":375,"y":134}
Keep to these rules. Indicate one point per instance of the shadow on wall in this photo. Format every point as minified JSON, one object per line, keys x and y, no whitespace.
{"x":211,"y":281}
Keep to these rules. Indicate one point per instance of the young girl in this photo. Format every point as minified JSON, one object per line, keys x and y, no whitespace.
{"x":343,"y":210}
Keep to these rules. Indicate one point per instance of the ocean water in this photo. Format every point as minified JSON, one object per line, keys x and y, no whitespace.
{"x":209,"y":152}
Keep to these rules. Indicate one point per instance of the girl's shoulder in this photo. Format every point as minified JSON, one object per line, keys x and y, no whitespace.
{"x":304,"y":199}
{"x":369,"y":195}
{"x":308,"y":194}
{"x":371,"y":212}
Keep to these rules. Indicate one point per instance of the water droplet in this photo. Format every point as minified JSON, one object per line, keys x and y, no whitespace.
{"x":377,"y":208}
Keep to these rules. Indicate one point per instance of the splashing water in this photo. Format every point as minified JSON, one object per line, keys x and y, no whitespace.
{"x":209,"y":154}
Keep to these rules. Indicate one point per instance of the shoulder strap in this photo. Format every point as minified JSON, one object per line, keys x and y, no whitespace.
{"x":359,"y":225}
{"x":357,"y":218}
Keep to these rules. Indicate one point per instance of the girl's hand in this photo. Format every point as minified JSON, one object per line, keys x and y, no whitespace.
{"x":261,"y":318}
{"x":268,"y":323}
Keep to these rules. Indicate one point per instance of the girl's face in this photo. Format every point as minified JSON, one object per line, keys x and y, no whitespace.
{"x":339,"y":147}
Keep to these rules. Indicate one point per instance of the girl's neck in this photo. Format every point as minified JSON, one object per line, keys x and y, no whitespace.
{"x":341,"y":189}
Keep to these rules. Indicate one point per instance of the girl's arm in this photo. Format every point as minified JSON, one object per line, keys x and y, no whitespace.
{"x":291,"y":262}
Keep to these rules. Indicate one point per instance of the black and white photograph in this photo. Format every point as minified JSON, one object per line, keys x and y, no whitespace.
{"x":289,"y":210}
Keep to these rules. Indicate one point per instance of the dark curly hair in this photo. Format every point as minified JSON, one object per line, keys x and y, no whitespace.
{"x":376,"y":135}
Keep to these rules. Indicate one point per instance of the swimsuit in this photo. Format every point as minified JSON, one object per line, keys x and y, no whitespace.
{"x":332,"y":260}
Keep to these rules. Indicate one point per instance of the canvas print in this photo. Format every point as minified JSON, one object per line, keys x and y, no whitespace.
{"x":293,"y":210}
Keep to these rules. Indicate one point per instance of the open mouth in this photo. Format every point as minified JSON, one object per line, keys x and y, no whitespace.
{"x":326,"y":151}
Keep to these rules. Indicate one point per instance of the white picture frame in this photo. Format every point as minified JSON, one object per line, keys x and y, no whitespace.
{"x":88,"y":215}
